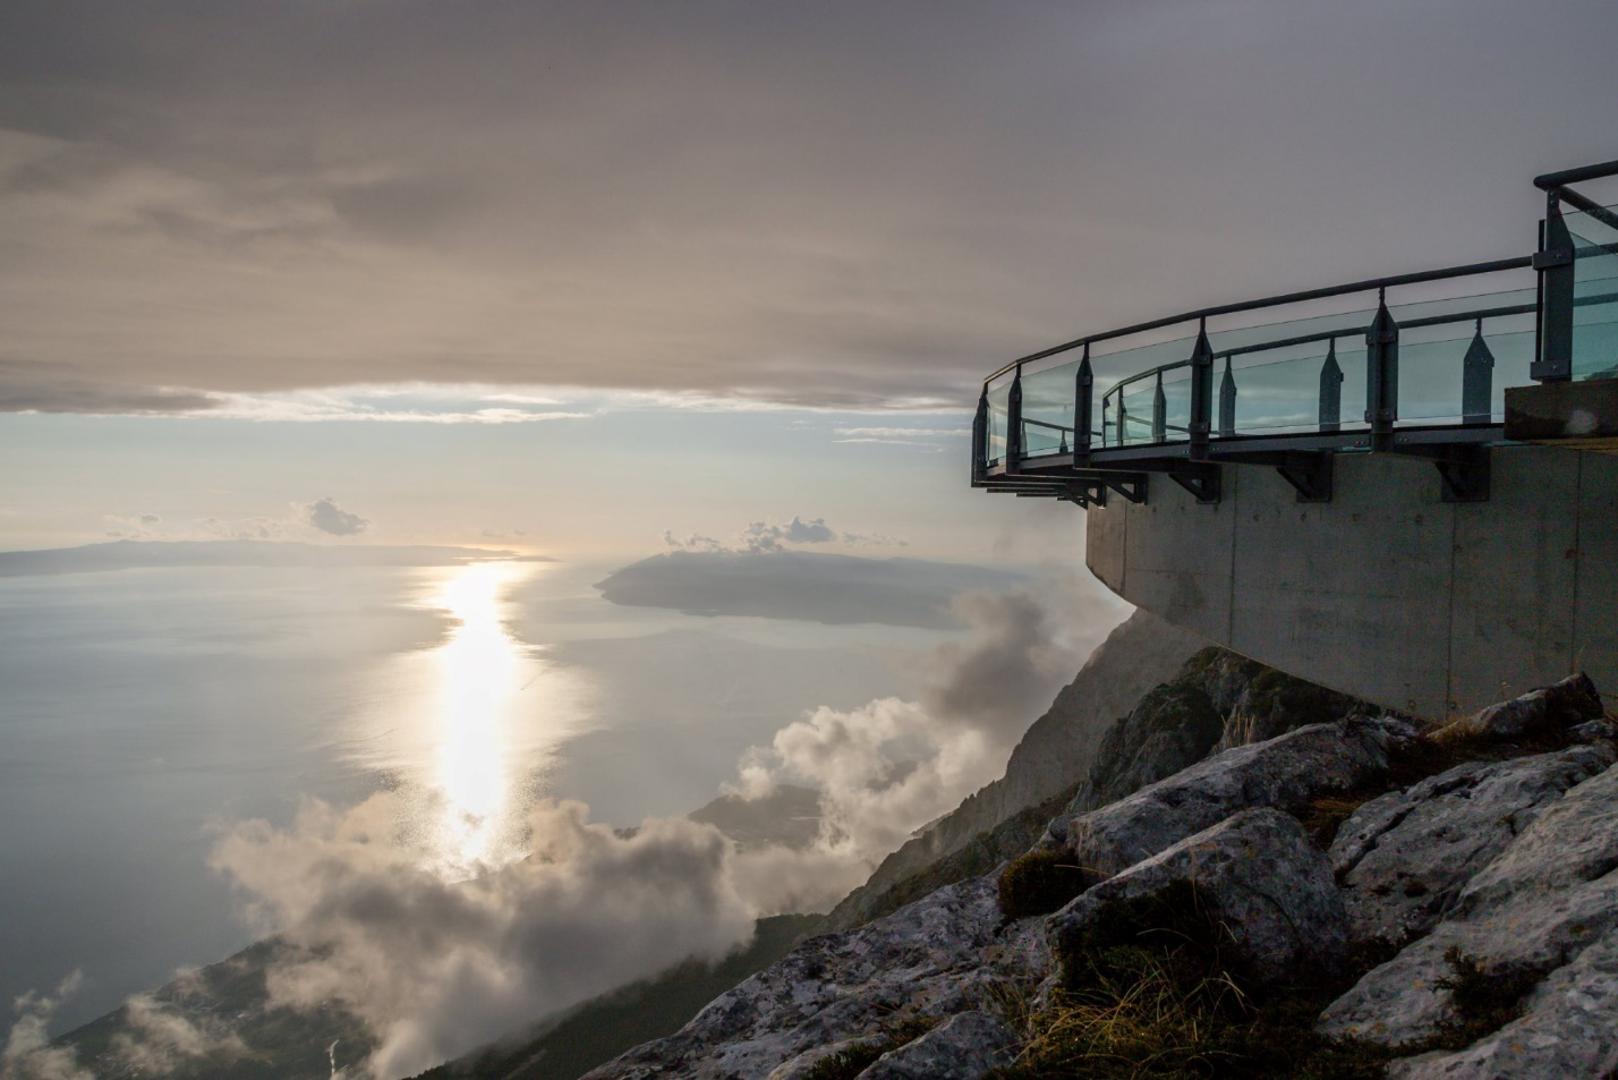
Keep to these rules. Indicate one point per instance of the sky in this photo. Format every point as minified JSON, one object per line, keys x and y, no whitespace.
{"x":572,"y":275}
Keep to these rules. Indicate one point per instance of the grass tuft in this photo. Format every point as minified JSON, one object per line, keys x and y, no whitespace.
{"x":1041,"y":882}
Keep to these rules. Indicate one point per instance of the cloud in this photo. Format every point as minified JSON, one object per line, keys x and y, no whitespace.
{"x":762,"y":536}
{"x":28,"y":1054}
{"x":805,"y":204}
{"x":328,"y":517}
{"x":890,"y":766}
{"x":151,"y":1039}
{"x":437,"y":967}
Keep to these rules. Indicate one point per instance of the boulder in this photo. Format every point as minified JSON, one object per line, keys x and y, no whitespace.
{"x":1403,"y":858}
{"x":1568,"y":1029}
{"x":1284,"y":772}
{"x":1254,"y":876}
{"x":964,"y":1047}
{"x":1551,"y":894}
{"x":1548,"y":710}
{"x":932,"y":959}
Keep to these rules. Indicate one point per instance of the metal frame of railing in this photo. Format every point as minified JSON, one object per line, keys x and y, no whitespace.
{"x":1087,"y":463}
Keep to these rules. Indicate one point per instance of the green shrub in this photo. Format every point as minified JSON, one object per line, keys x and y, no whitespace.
{"x":1041,"y":882}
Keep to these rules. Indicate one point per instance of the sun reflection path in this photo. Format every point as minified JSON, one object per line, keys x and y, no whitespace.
{"x":480,"y":670}
{"x":467,"y":725}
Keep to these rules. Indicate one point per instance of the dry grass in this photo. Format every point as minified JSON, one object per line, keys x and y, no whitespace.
{"x":1041,"y":882}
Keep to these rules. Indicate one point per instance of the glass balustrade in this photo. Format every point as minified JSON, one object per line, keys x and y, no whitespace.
{"x":1047,"y":409}
{"x":1595,"y":297}
{"x":1457,"y":356}
{"x":999,"y":397}
{"x":1134,"y":415}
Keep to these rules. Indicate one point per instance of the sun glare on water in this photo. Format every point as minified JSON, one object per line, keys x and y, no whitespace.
{"x":468,"y":724}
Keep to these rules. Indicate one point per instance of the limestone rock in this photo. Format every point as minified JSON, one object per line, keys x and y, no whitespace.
{"x":1403,"y":858}
{"x":1551,"y":894}
{"x":1284,"y":772}
{"x":933,"y":958}
{"x":1569,"y":1029}
{"x":1551,"y":708}
{"x":964,"y":1047}
{"x":1261,"y":880}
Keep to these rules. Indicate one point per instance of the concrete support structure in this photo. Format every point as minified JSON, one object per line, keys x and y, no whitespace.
{"x":1387,"y":592}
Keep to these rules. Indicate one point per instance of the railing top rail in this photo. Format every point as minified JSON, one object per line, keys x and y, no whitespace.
{"x":1574,"y":176}
{"x":1469,"y":315}
{"x":1416,"y":278}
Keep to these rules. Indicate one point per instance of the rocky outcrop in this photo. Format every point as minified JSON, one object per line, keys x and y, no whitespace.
{"x":1404,"y":858}
{"x":1496,"y":878}
{"x":963,"y":1047}
{"x":1284,"y":772}
{"x":1253,"y":877}
{"x":1057,"y":750}
{"x":1215,"y":700}
{"x":1569,"y":1029}
{"x":1552,"y":894}
{"x":931,"y":960}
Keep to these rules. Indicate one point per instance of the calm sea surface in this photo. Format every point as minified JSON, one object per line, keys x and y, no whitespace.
{"x":141,"y":709}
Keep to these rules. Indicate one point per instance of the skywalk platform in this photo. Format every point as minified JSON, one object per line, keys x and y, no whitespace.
{"x":1412,"y":499}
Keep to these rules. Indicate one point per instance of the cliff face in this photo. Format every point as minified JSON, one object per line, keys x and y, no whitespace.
{"x":1057,"y":750}
{"x":1350,"y":897}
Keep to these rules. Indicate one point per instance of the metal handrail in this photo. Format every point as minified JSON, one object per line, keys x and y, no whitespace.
{"x":1553,"y":307}
{"x":1473,"y":315}
{"x":1493,"y":267}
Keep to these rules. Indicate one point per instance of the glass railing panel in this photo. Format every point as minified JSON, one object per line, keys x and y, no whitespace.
{"x":1272,"y":396}
{"x":999,"y":396}
{"x":1133,"y":418}
{"x":1110,"y":368}
{"x":1177,"y":404}
{"x":1457,"y":372}
{"x":1047,"y":409}
{"x":1595,"y":297}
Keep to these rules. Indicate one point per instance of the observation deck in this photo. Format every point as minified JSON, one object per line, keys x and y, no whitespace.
{"x":1403,"y":487}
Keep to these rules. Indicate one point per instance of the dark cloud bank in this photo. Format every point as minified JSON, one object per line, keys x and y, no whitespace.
{"x":831,"y":204}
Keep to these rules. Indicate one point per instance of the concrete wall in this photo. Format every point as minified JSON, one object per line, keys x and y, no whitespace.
{"x":1387,"y":592}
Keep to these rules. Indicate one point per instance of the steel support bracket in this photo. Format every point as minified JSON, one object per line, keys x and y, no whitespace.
{"x":1131,"y":487}
{"x":1309,"y":474}
{"x":1463,"y":469}
{"x":1465,"y":476}
{"x":1547,"y":260}
{"x":1200,"y":479}
{"x":1089,"y":492}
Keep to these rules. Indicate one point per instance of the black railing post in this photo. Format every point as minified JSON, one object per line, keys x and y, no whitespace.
{"x":1160,"y":411}
{"x":1201,"y":393}
{"x":980,"y":438}
{"x":1084,"y":384}
{"x":1014,"y":431}
{"x":1382,"y":375}
{"x":1227,"y":402}
{"x":1121,"y":421}
{"x":1477,"y":380}
{"x":1331,"y":391}
{"x":1553,"y":361}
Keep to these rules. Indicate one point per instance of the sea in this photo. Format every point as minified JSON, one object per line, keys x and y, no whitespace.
{"x":143,"y":711}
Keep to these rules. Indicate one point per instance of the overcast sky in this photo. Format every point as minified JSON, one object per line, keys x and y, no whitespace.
{"x":525,"y":212}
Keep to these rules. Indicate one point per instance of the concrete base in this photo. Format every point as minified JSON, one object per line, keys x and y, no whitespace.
{"x":1387,"y":592}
